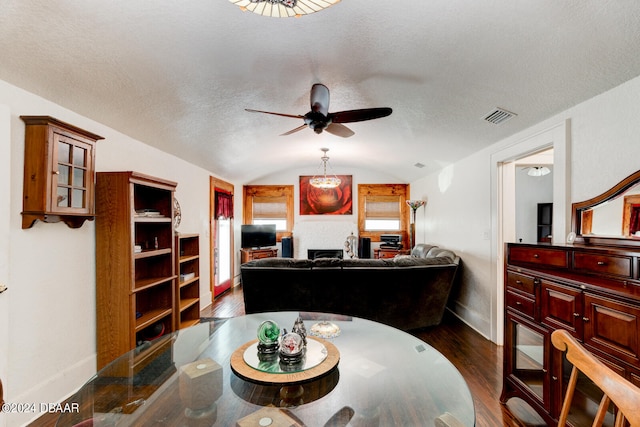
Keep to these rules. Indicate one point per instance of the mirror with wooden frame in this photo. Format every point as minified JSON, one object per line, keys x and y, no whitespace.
{"x":612,"y":218}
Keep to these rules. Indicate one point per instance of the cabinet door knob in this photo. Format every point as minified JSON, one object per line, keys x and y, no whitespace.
{"x":536,"y":256}
{"x":554,"y":378}
{"x":518,"y":303}
{"x":586,"y":319}
{"x":602,"y":263}
{"x":576,"y":314}
{"x":56,"y":172}
{"x":518,"y":282}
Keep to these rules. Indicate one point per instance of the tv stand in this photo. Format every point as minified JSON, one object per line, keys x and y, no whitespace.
{"x":247,"y":255}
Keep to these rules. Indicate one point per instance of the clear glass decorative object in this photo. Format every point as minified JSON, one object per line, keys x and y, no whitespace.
{"x":268,"y":334}
{"x":291,"y":348}
{"x":325,"y":329}
{"x":300,"y":329}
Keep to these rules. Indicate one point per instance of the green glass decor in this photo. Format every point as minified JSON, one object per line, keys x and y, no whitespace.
{"x":268,"y":334}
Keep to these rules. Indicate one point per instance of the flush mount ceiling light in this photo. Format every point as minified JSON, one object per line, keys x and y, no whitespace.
{"x":283,"y":8}
{"x":325,"y":181}
{"x":538,"y":171}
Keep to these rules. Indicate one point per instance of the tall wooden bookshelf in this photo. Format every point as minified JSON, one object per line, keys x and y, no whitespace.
{"x":135,"y":261}
{"x":188,"y":283}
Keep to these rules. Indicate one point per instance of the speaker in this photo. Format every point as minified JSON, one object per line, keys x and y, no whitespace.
{"x":287,"y":247}
{"x":364,"y":248}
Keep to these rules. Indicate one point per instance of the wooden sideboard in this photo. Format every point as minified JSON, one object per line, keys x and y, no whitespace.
{"x":247,"y":255}
{"x":591,"y":291}
{"x":380,"y":253}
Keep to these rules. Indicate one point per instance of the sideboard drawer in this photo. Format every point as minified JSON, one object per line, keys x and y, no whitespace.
{"x":521,"y":303}
{"x":539,"y":256}
{"x":520,"y":282}
{"x":603,"y":264}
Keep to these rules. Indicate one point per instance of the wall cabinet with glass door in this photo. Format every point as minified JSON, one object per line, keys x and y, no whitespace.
{"x":59,"y":175}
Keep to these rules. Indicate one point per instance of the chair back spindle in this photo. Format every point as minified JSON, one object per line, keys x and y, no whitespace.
{"x":623,"y":394}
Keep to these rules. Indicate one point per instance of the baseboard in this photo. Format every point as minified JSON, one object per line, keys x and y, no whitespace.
{"x":55,"y":389}
{"x":470,"y":318}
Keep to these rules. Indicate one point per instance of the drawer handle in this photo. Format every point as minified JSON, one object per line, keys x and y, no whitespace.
{"x":518,"y":282}
{"x":586,"y":319}
{"x":536,"y":256}
{"x":554,"y":378}
{"x":602,"y":263}
{"x":576,"y":314}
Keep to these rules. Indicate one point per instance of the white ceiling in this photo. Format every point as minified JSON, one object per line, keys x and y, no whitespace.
{"x":178,"y":74}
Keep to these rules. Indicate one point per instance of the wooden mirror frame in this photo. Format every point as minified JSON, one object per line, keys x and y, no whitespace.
{"x":580,"y":207}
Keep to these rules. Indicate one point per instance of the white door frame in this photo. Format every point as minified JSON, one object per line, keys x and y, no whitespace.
{"x":502,"y":204}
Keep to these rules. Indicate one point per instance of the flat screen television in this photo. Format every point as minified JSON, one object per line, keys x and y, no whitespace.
{"x":257,"y":236}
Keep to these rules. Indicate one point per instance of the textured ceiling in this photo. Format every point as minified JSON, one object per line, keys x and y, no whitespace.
{"x":178,"y":74}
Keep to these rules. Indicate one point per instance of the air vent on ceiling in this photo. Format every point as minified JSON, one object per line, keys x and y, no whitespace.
{"x":498,"y":116}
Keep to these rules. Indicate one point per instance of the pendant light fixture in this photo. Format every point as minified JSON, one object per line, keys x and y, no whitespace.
{"x":325,"y":181}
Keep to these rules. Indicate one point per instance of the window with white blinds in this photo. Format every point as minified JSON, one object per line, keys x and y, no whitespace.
{"x":269,"y":204}
{"x":382,"y":213}
{"x":382,"y":209}
{"x":270,"y":210}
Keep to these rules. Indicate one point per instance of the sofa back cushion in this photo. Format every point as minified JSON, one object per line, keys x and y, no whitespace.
{"x":437,"y":252}
{"x":280,"y":263}
{"x":412,"y":261}
{"x":421,"y":249}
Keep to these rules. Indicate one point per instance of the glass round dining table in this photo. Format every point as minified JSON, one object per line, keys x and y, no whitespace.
{"x":378,"y":376}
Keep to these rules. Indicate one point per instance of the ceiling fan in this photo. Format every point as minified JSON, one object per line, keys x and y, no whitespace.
{"x":319,"y":118}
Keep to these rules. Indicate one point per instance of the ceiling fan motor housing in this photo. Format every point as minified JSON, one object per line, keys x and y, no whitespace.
{"x":316,"y":121}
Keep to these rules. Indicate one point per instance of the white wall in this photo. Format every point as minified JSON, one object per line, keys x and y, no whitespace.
{"x":50,"y":350}
{"x":5,"y":186}
{"x":605,"y":148}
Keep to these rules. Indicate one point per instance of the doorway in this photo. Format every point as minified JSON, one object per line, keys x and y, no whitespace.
{"x":503,"y":190}
{"x":221,"y":231}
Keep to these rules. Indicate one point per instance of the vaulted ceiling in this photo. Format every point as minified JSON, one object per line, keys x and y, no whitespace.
{"x":178,"y":75}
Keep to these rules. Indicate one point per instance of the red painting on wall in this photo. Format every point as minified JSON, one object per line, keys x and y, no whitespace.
{"x":330,"y":201}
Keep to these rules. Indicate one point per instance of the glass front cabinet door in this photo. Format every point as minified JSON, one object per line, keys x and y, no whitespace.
{"x":59,"y":174}
{"x":527,"y":362}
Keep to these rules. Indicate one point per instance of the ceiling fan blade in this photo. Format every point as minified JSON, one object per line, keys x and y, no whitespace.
{"x":361,"y":115}
{"x":339,"y":130}
{"x":295,"y":116}
{"x":299,"y":128}
{"x":320,"y":99}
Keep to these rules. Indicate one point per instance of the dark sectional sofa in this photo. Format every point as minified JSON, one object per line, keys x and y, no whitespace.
{"x":407,"y":292}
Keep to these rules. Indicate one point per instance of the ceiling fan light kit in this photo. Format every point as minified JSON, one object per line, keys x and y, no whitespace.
{"x":283,"y":8}
{"x":320,"y":119}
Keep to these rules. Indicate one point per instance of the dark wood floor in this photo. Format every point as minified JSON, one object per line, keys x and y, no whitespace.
{"x":478,"y":360}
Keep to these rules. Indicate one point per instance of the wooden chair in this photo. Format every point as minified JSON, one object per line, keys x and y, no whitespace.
{"x":624,"y":395}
